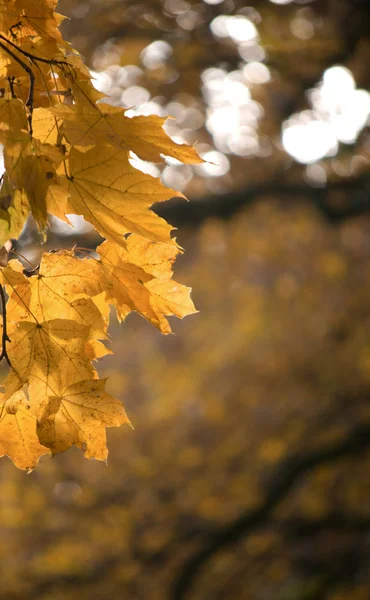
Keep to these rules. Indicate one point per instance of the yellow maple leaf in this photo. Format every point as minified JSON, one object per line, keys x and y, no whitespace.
{"x":65,"y":153}
{"x":69,"y":275}
{"x":123,"y":282}
{"x":31,"y":166}
{"x":84,"y":411}
{"x":61,"y":286}
{"x":45,"y":126}
{"x":74,"y":78}
{"x":13,"y":115}
{"x":12,"y":275}
{"x":48,"y":352}
{"x":43,"y":351}
{"x":95,"y":349}
{"x":9,"y":15}
{"x":14,"y":210}
{"x":156,"y":259}
{"x":167,"y":297}
{"x":140,"y":279}
{"x":18,"y":437}
{"x":3,"y":15}
{"x":113,"y":196}
{"x":39,"y":18}
{"x":145,"y":136}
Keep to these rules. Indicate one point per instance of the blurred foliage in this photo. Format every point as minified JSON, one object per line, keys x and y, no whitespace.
{"x":276,"y":364}
{"x":230,"y":84}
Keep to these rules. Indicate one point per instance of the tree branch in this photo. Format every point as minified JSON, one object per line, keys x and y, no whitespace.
{"x":286,"y":476}
{"x":4,"y":338}
{"x":288,"y":473}
{"x":296,"y":528}
{"x":181,"y":213}
{"x":29,"y":101}
{"x":33,"y":57}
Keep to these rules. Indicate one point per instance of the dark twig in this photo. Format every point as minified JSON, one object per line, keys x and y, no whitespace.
{"x":289,"y":472}
{"x":29,"y":102}
{"x":192,"y":214}
{"x":11,"y":85}
{"x":298,"y":528}
{"x":180,"y":213}
{"x":34,"y":58}
{"x":4,"y":338}
{"x":282,"y":482}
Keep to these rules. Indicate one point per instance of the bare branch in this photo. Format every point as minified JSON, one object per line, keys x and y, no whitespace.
{"x":29,"y":102}
{"x":224,"y":206}
{"x":4,"y":338}
{"x":290,"y":471}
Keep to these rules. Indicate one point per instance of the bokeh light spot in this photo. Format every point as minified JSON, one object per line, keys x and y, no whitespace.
{"x":218,"y":164}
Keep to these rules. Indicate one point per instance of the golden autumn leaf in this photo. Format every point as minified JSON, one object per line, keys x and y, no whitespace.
{"x":31,"y":167}
{"x":145,"y":136}
{"x":18,"y":437}
{"x":39,"y":18}
{"x":113,"y":196}
{"x":12,"y":275}
{"x":66,"y":152}
{"x":49,"y":351}
{"x":95,"y":349}
{"x":14,"y":216}
{"x":74,"y":83}
{"x":62,"y":287}
{"x":139,"y":277}
{"x":82,"y":413}
{"x":123,"y":282}
{"x":45,"y":126}
{"x":13,"y":115}
{"x":167,"y":297}
{"x":3,"y":15}
{"x":63,"y":273}
{"x":155,"y":259}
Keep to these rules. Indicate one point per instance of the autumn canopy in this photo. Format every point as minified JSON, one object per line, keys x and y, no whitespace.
{"x":66,"y":151}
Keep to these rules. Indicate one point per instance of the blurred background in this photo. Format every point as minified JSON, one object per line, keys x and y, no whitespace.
{"x":247,"y":476}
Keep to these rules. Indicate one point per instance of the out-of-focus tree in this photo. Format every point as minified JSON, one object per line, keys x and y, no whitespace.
{"x":264,"y":395}
{"x":273,"y":94}
{"x":246,"y":475}
{"x":271,"y":91}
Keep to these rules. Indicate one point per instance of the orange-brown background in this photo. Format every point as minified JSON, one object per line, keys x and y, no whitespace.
{"x":247,"y":474}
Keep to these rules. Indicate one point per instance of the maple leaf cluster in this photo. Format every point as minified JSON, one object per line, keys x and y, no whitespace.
{"x":68,"y":152}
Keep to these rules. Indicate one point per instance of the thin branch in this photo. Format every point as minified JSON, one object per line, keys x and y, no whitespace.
{"x":23,"y":257}
{"x":29,"y":102}
{"x":284,"y":479}
{"x":192,"y":214}
{"x":33,"y":57}
{"x":224,"y":206}
{"x":4,"y":338}
{"x":11,"y":85}
{"x":296,"y":528}
{"x":286,"y":476}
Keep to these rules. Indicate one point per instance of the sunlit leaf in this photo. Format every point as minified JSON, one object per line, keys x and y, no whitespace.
{"x":113,"y":196}
{"x":85,"y":126}
{"x":84,"y":410}
{"x":67,"y":153}
{"x":18,"y":438}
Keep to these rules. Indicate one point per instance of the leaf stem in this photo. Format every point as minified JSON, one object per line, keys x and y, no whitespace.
{"x":4,"y":338}
{"x":48,"y":61}
{"x":29,"y":102}
{"x":11,"y":85}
